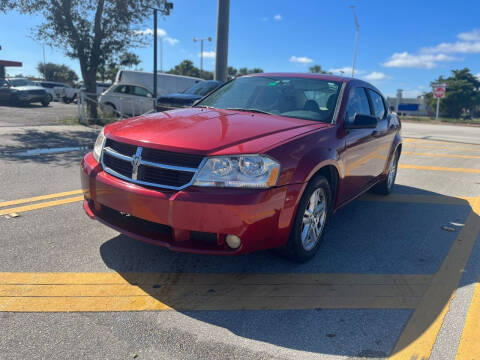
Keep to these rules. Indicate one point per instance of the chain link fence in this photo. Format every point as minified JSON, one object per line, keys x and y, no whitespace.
{"x":108,"y":113}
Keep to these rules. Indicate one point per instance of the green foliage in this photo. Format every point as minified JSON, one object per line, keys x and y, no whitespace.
{"x":317,"y":69}
{"x":107,"y":69}
{"x":56,"y":72}
{"x":129,"y":59}
{"x":463,"y":92}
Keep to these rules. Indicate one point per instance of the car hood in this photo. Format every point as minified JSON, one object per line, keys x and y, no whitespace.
{"x":209,"y":131}
{"x":27,"y":88}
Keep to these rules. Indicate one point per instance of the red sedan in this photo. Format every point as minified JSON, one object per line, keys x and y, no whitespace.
{"x":260,"y":163}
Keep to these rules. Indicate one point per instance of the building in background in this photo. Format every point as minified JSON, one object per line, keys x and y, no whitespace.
{"x":6,"y":63}
{"x":408,"y":106}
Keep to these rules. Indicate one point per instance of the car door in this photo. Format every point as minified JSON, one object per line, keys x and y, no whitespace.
{"x":359,"y":157}
{"x":5,"y":91}
{"x":120,"y":98}
{"x":383,"y":134}
{"x":143,"y":100}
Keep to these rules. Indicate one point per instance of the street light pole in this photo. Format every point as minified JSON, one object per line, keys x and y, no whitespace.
{"x":357,"y":30}
{"x":201,"y":50}
{"x":221,"y":53}
{"x":155,"y":12}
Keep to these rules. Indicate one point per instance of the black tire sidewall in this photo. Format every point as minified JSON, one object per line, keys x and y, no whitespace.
{"x":295,"y":249}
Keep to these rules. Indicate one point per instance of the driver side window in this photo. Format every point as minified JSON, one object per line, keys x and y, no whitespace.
{"x":357,"y":104}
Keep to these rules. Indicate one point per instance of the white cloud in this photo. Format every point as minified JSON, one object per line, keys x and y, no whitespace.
{"x":421,"y":61}
{"x":149,"y":31}
{"x":346,"y":70}
{"x":171,"y":41}
{"x":208,"y":54}
{"x":473,"y":35}
{"x":462,"y":47}
{"x":160,"y":33}
{"x":301,"y":60}
{"x":375,"y":76}
{"x":478,"y":76}
{"x":277,"y":17}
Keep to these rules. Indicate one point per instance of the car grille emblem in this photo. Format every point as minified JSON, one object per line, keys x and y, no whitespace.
{"x":136,"y":161}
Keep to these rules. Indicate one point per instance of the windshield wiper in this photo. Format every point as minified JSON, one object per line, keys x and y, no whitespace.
{"x":250,"y":110}
{"x":204,"y":106}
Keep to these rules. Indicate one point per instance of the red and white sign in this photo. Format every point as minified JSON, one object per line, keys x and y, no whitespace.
{"x":439,"y":93}
{"x":439,"y":90}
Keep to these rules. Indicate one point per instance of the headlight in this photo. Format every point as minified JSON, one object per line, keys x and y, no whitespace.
{"x":245,"y":171}
{"x":97,"y":148}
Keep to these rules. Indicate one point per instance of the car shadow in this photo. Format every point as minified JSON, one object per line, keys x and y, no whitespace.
{"x":368,"y":236}
{"x":48,"y":147}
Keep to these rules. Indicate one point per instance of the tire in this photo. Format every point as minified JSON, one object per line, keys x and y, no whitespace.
{"x":109,"y":109}
{"x":50,"y":98}
{"x":386,"y":186}
{"x":67,"y":100}
{"x":304,"y":242}
{"x":45,"y":103}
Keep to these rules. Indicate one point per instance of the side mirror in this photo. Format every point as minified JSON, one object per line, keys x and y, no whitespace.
{"x":362,"y":121}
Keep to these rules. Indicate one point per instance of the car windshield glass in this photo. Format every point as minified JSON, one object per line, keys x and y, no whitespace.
{"x":21,"y":82}
{"x":202,"y":88}
{"x":303,"y":98}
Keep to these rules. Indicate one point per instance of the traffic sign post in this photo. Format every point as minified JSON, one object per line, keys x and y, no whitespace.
{"x":439,"y":92}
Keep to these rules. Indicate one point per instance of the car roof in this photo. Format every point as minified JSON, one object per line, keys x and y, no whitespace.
{"x":326,"y":77}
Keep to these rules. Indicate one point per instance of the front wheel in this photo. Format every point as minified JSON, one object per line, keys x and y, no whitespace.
{"x":386,"y":186}
{"x":45,"y":103}
{"x":310,"y":221}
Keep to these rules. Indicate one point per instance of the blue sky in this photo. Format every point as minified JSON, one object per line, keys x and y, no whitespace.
{"x":402,"y":44}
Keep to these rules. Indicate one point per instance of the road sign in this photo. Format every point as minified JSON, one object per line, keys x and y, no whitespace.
{"x":439,"y":92}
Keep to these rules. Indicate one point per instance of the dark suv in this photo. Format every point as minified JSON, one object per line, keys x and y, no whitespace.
{"x":22,"y":91}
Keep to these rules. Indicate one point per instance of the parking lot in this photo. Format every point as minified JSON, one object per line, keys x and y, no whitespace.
{"x":35,"y":114}
{"x":396,"y":276}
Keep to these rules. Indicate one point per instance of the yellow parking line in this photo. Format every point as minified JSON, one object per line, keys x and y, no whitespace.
{"x":469,"y":346}
{"x":420,"y":333}
{"x":438,"y":168}
{"x":443,"y":147}
{"x":38,"y":198}
{"x":20,"y":209}
{"x":456,"y":156}
{"x":60,"y":292}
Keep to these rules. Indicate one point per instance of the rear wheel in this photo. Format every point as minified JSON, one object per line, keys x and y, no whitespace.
{"x":386,"y":186}
{"x":45,"y":102}
{"x":310,"y":221}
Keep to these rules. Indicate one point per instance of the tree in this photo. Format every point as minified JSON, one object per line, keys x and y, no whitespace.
{"x":89,"y":30}
{"x":463,"y":92}
{"x":58,"y":73}
{"x":129,"y":59}
{"x":317,"y":69}
{"x":186,"y":68}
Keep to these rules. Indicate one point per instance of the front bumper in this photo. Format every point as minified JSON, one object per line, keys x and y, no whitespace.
{"x":194,"y":219}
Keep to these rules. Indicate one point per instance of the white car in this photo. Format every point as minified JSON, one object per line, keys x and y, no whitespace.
{"x":126,"y":100}
{"x":53,"y":88}
{"x":166,"y":83}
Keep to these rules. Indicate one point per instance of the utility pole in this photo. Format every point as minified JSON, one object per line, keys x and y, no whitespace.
{"x":221,"y":56}
{"x":44,"y":70}
{"x":201,"y":50}
{"x":357,"y":30}
{"x":155,"y":13}
{"x":161,"y":54}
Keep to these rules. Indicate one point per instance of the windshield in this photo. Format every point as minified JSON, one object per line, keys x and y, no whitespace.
{"x":20,"y":82}
{"x":202,"y":88}
{"x":303,"y":98}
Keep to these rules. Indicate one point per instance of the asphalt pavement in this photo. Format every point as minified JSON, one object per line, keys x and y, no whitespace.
{"x":396,"y":276}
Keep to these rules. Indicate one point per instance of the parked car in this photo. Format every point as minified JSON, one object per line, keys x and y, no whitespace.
{"x":69,"y":95}
{"x":128,"y":99}
{"x":187,"y":97}
{"x":262,"y":162}
{"x":53,"y":88}
{"x":166,"y":83}
{"x":19,"y":91}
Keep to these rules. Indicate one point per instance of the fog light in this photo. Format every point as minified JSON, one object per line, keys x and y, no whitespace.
{"x":233,"y":241}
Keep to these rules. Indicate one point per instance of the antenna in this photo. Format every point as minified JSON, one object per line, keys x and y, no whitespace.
{"x":357,"y":30}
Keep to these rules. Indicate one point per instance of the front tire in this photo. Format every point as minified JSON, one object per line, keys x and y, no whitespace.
{"x":45,"y":103}
{"x":386,"y":186}
{"x":310,"y":221}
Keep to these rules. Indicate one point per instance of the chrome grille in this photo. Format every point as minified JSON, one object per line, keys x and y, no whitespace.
{"x":150,"y":167}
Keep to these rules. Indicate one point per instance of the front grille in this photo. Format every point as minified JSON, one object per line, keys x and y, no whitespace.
{"x":150,"y":167}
